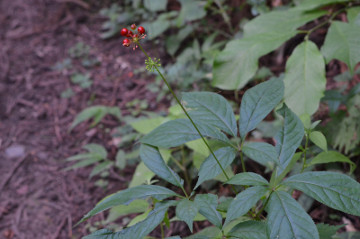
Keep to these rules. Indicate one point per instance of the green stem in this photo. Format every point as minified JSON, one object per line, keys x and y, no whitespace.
{"x":186,"y":175}
{"x":183,"y":169}
{"x":162,"y":230}
{"x":305,"y":149}
{"x":186,"y":113}
{"x":242,"y":157}
{"x":177,"y":163}
{"x":225,"y":15}
{"x":263,"y":208}
{"x":184,"y":191}
{"x":308,"y":32}
{"x":236,"y":94}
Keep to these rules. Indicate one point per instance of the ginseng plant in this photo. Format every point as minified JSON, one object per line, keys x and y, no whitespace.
{"x":257,"y":208}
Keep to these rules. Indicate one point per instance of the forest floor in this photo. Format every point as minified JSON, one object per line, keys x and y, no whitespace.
{"x":38,"y":199}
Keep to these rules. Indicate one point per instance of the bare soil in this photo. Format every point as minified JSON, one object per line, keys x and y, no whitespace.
{"x":37,"y":198}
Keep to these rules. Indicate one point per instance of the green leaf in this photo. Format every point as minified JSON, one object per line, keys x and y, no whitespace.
{"x":318,"y":139}
{"x":348,"y":235}
{"x":84,"y":163}
{"x":263,"y":153}
{"x":180,"y":131}
{"x":274,"y":181}
{"x":211,"y":108}
{"x":345,"y":127}
{"x":139,"y":230}
{"x":257,"y":103}
{"x":207,"y":233}
{"x":83,"y":80}
{"x":190,"y":11}
{"x":209,"y":169}
{"x":115,"y":111}
{"x":289,"y":137}
{"x":273,"y":22}
{"x":287,"y":219}
{"x":142,"y":175}
{"x":342,"y":43}
{"x":306,"y":120}
{"x":248,"y":179}
{"x":139,"y":218}
{"x":327,"y":231}
{"x":83,"y":156}
{"x":145,"y":126}
{"x":244,"y":201}
{"x":186,"y":211}
{"x":304,"y":79}
{"x":238,"y":62}
{"x":128,"y":195}
{"x":97,"y":149}
{"x":221,"y":177}
{"x":199,"y":147}
{"x":207,"y":204}
{"x":249,"y":230}
{"x":331,"y":157}
{"x":312,"y":4}
{"x":160,"y":25}
{"x":100,"y":167}
{"x":136,"y":206}
{"x":173,"y":42}
{"x":353,"y":15}
{"x":100,"y":234}
{"x":120,"y":159}
{"x":335,"y":190}
{"x":68,"y":93}
{"x":97,"y":112}
{"x":158,"y":5}
{"x":154,"y":161}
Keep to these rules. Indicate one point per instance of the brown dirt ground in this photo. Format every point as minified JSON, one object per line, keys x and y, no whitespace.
{"x":38,"y":199}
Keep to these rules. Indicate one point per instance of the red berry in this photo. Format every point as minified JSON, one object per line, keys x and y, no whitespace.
{"x":133,"y":26}
{"x":124,"y":32}
{"x":141,"y":30}
{"x":126,"y":42}
{"x":130,"y":34}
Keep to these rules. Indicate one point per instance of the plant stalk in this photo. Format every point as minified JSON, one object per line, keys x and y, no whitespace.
{"x":186,"y":113}
{"x":242,"y":156}
{"x":263,"y":208}
{"x":186,"y":175}
{"x":305,"y":149}
{"x":224,"y":15}
{"x":162,"y":230}
{"x":308,"y":32}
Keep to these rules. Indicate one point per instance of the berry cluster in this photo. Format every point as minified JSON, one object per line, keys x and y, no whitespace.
{"x":132,"y":38}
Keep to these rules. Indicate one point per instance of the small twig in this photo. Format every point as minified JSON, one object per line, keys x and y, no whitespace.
{"x":69,"y":226}
{"x":11,"y":172}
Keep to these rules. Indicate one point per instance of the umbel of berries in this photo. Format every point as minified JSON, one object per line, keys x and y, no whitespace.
{"x":131,"y":38}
